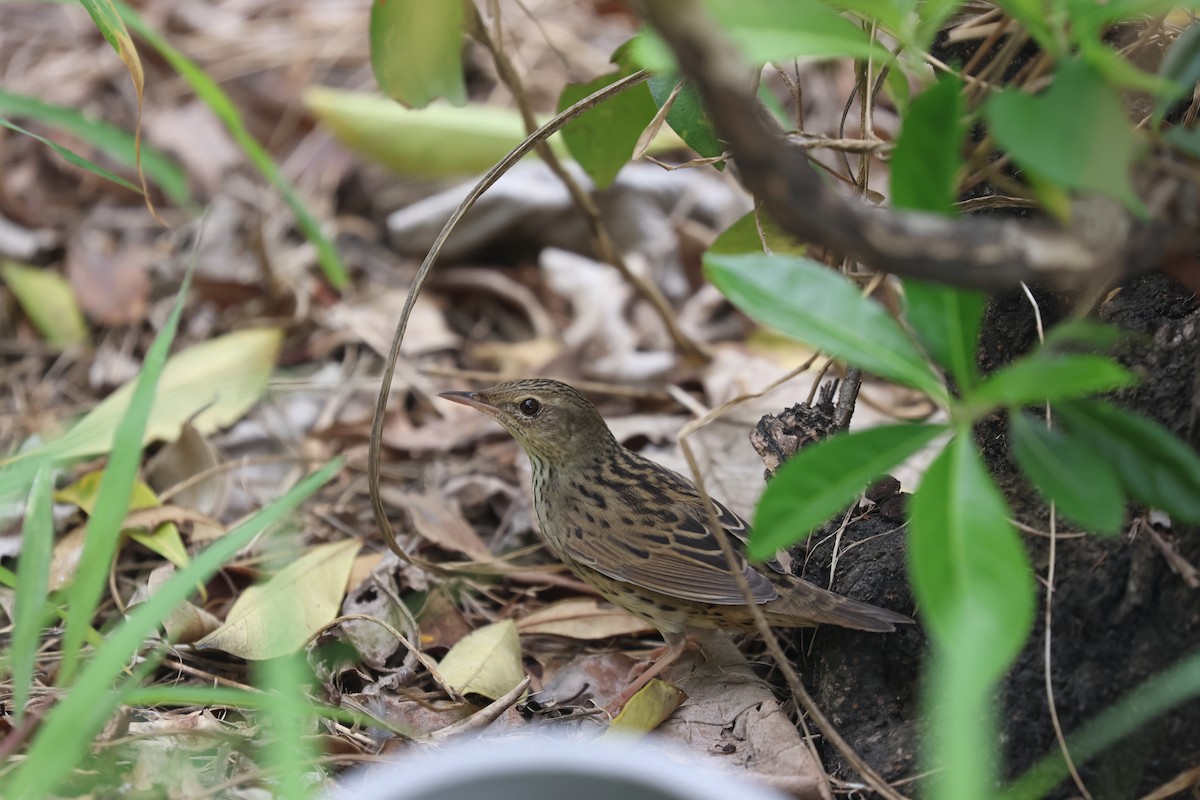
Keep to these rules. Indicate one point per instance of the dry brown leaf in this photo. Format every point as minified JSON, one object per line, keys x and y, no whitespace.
{"x":185,"y":623}
{"x":437,"y":520}
{"x":111,"y":285}
{"x":275,"y":618}
{"x":583,"y":618}
{"x":189,"y":455}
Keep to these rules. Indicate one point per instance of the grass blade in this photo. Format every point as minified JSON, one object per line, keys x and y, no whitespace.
{"x":33,"y":580}
{"x":216,"y":99}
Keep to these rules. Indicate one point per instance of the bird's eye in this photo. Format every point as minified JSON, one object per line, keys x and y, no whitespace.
{"x":529,"y":406}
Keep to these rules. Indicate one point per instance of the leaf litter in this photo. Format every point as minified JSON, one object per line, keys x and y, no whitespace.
{"x":274,"y":373}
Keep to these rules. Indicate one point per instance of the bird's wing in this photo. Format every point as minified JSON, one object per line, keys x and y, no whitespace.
{"x":657,"y":535}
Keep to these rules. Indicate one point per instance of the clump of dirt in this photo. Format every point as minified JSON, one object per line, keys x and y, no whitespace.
{"x":1121,"y":614}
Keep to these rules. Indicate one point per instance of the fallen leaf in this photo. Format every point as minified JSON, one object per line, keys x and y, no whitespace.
{"x":162,"y":537}
{"x":486,"y":662}
{"x":48,"y":301}
{"x":212,"y":384}
{"x":185,"y":623}
{"x":438,"y":520}
{"x":646,"y":710}
{"x":584,"y":618}
{"x":110,"y":282}
{"x":184,"y":458}
{"x":276,"y":618}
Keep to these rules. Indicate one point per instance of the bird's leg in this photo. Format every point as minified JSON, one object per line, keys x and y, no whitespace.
{"x":677,"y":645}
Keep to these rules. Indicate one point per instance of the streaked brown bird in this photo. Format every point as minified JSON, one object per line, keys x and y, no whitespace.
{"x":638,"y":532}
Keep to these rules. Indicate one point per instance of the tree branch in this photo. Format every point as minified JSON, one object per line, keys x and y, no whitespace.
{"x":1103,"y":243}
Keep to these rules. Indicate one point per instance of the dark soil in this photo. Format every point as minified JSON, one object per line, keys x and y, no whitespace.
{"x":1121,"y":615}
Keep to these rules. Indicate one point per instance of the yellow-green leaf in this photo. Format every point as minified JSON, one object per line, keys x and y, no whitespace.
{"x":47,"y":299}
{"x":212,"y":384}
{"x":276,"y":618}
{"x":485,"y":662}
{"x":646,"y":710}
{"x":164,"y":539}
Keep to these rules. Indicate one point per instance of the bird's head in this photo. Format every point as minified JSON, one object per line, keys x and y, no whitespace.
{"x":551,"y":420}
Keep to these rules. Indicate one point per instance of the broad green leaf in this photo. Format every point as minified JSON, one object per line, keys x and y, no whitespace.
{"x":774,"y":30}
{"x":116,"y":488}
{"x":819,"y":306}
{"x":1185,"y":140}
{"x":1154,"y":466}
{"x":486,"y":661}
{"x":215,"y":98}
{"x":686,"y":115}
{"x":895,"y":15}
{"x":1121,"y":73}
{"x":117,"y":144}
{"x":1040,"y":25}
{"x":435,"y":142}
{"x":47,"y":299}
{"x":63,"y":740}
{"x":966,"y":559}
{"x":946,"y":320}
{"x":276,"y":618}
{"x":1075,"y":134}
{"x":756,"y":233}
{"x":602,"y":139}
{"x":1181,"y":66}
{"x":416,"y":50}
{"x":73,"y":158}
{"x":1082,"y":333}
{"x":212,"y":384}
{"x":825,"y":477}
{"x":1065,"y":469}
{"x":1042,"y":377}
{"x":32,"y":586}
{"x":928,"y":154}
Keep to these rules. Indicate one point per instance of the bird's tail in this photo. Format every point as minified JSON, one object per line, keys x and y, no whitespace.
{"x":802,"y":605}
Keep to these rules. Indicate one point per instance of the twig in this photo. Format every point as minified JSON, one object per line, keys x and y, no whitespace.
{"x":389,"y":368}
{"x":601,"y":239}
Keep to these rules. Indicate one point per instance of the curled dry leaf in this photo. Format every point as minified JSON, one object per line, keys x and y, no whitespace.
{"x":275,"y":618}
{"x":486,"y":662}
{"x":185,"y":623}
{"x":190,"y":455}
{"x":375,"y":643}
{"x":437,"y":519}
{"x":583,"y":618}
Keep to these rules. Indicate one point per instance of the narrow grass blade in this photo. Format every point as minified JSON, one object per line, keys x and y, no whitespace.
{"x":32,"y":580}
{"x":62,"y":741}
{"x":73,"y":158}
{"x":216,"y":99}
{"x":117,"y":144}
{"x":116,"y":487}
{"x":287,"y":753}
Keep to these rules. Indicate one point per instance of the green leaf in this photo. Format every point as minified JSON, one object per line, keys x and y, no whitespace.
{"x":288,"y":751}
{"x":70,"y":725}
{"x":115,"y":143}
{"x":1065,"y":469}
{"x":1083,"y":333}
{"x":33,"y":580}
{"x":47,"y":299}
{"x":71,"y":157}
{"x":686,"y":115}
{"x":416,"y":50}
{"x":1076,"y":134}
{"x":1181,"y":66}
{"x":966,"y":559}
{"x":824,"y":478}
{"x":819,"y":306}
{"x":756,"y":233}
{"x":928,"y":154}
{"x":773,"y":30}
{"x":1160,"y":694}
{"x":216,"y":99}
{"x":602,"y":139}
{"x":946,"y":320}
{"x":1153,"y":465}
{"x":1042,"y":377}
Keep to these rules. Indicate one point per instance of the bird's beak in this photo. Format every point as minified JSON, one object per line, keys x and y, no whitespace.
{"x":473,"y":399}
